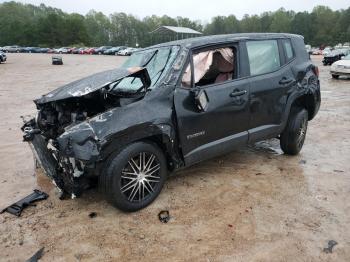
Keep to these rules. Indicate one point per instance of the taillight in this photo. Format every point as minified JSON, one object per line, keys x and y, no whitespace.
{"x":316,"y":71}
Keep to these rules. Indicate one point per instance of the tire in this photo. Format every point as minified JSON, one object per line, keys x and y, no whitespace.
{"x":335,"y":76}
{"x":122,"y":183}
{"x":293,"y":136}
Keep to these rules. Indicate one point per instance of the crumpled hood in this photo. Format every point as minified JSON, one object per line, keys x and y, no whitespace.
{"x":88,"y":84}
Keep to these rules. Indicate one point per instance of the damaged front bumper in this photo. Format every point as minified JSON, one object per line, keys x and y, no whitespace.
{"x":66,"y":161}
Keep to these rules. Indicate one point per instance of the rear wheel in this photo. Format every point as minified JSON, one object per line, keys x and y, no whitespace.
{"x":335,"y":76}
{"x":134,"y":177}
{"x":293,"y":137}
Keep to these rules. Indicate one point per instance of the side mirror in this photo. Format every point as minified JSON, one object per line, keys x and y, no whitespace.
{"x":201,"y":99}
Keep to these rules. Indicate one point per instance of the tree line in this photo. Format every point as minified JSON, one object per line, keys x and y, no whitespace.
{"x":30,"y":25}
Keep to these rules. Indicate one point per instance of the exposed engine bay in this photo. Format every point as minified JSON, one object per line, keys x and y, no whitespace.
{"x":54,"y":117}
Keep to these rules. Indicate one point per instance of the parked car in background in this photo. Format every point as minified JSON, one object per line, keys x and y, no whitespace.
{"x":70,"y":50}
{"x":114,"y":50}
{"x":327,"y":50}
{"x":130,"y":127}
{"x":62,"y":50}
{"x":334,"y":56}
{"x":13,"y":49}
{"x":316,"y":51}
{"x":308,"y":49}
{"x":46,"y":50}
{"x":32,"y":50}
{"x":77,"y":50}
{"x":127,"y":51}
{"x":100,"y":50}
{"x":341,"y":67}
{"x":3,"y":57}
{"x":89,"y":51}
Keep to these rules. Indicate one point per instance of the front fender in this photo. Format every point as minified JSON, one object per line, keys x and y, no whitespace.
{"x":119,"y":140}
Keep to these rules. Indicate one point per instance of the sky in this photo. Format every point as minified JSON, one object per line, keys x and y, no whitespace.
{"x":202,"y":10}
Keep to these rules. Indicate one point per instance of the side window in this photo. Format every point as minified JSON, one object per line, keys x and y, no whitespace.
{"x":263,"y":56}
{"x":288,"y":50}
{"x":211,"y":67}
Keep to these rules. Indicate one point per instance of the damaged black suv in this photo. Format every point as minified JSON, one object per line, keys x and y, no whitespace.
{"x":170,"y":106}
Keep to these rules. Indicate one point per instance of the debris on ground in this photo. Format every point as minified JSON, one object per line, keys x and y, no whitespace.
{"x":331,"y":244}
{"x":17,"y":208}
{"x":164,"y":216}
{"x":338,"y":171}
{"x":93,"y":215}
{"x":57,"y":60}
{"x":36,"y":256}
{"x":302,"y":162}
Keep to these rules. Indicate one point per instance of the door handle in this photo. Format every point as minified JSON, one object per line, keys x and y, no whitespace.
{"x":285,"y":81}
{"x":238,"y":93}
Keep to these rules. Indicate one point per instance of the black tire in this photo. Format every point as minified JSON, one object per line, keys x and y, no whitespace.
{"x":119,"y":182}
{"x":293,"y":136}
{"x":335,"y":76}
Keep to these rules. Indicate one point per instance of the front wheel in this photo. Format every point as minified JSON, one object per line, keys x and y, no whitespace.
{"x":134,"y":177}
{"x":293,"y":137}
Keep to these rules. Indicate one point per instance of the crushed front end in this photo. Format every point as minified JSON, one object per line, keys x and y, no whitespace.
{"x":64,"y":157}
{"x":62,"y":140}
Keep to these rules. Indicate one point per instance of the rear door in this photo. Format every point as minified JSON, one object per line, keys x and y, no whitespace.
{"x":224,"y":123}
{"x":271,"y":82}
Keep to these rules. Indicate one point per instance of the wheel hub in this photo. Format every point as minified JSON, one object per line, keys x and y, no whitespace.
{"x":140,"y":176}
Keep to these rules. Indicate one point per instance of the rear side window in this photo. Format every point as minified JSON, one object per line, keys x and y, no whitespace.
{"x":263,"y":56}
{"x":288,"y":50}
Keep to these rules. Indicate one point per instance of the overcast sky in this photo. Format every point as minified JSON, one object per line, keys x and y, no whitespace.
{"x":197,"y":10}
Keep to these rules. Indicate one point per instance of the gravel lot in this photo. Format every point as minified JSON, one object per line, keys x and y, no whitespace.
{"x":255,"y":204}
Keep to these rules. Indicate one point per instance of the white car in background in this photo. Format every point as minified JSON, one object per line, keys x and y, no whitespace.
{"x":341,"y":67}
{"x":327,"y":50}
{"x":62,"y":50}
{"x":127,"y":51}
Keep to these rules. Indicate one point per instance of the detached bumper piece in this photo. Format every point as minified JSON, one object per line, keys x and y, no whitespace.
{"x":36,"y":256}
{"x":17,"y":208}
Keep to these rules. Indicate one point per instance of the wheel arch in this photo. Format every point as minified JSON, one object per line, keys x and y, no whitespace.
{"x":306,"y":101}
{"x":162,"y":135}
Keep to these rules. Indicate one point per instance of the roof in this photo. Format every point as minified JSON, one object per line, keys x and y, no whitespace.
{"x":212,"y":39}
{"x":175,"y":29}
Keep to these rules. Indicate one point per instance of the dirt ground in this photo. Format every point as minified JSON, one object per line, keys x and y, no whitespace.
{"x":255,"y":204}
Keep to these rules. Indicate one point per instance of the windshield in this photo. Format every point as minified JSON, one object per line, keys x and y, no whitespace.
{"x":156,"y":60}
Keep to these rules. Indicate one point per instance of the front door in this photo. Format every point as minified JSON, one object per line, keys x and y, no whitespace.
{"x":218,"y":129}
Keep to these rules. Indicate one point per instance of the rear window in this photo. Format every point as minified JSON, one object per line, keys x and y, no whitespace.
{"x":288,"y":50}
{"x":263,"y":56}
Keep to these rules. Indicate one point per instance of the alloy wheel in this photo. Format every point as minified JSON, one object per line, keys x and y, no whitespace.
{"x":140,"y":177}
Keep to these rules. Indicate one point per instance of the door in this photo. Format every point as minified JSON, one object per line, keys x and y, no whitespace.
{"x":271,"y":82}
{"x":221,"y":127}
